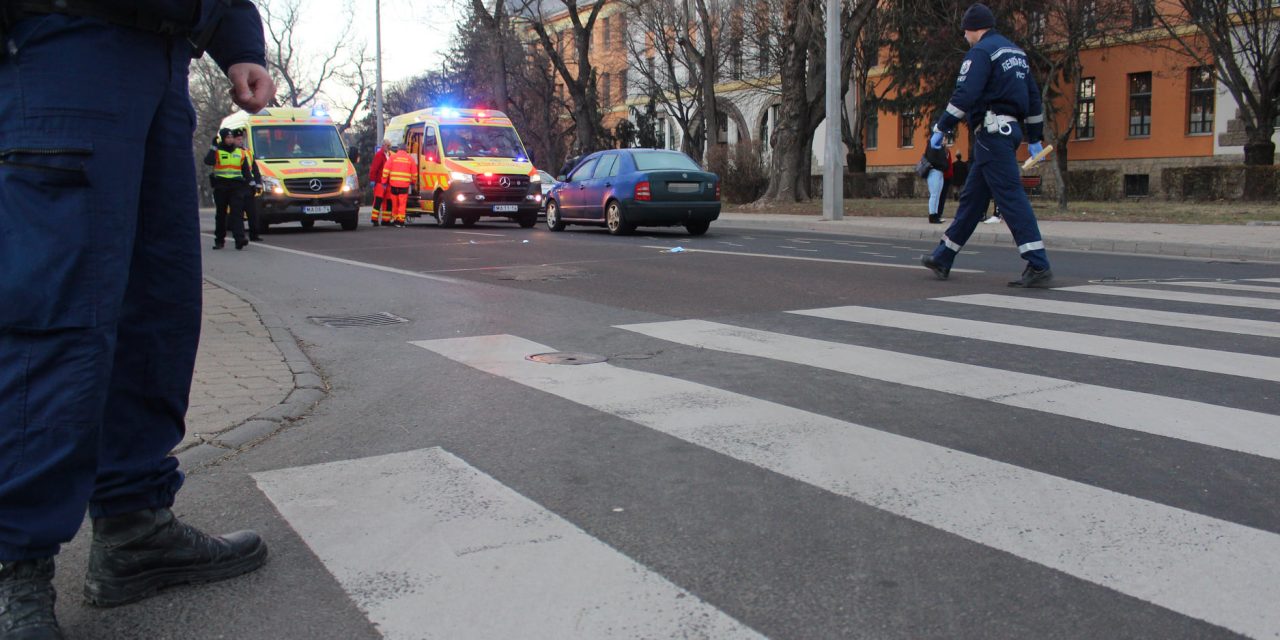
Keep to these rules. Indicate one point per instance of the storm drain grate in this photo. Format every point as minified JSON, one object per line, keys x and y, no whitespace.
{"x":371,"y":320}
{"x":566,"y":357}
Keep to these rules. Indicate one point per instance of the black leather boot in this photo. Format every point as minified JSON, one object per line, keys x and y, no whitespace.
{"x":26,"y":601}
{"x":135,"y":555}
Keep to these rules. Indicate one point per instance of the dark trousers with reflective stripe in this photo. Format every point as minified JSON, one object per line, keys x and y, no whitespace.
{"x":101,"y":288}
{"x":994,"y":174}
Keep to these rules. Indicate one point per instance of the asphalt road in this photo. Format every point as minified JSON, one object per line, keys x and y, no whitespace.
{"x":983,"y":466}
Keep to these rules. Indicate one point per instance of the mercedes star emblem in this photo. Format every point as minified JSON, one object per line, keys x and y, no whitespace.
{"x":315,"y":184}
{"x":504,"y":182}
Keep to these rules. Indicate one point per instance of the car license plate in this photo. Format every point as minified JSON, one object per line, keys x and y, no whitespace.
{"x":684,"y":187}
{"x":321,"y":209}
{"x":505,"y":208}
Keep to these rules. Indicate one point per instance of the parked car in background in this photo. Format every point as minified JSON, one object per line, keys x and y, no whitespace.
{"x":548,"y":181}
{"x":627,"y":188}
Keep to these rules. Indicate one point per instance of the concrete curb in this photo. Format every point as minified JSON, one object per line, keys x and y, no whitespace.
{"x":1000,"y":237}
{"x":309,"y":388}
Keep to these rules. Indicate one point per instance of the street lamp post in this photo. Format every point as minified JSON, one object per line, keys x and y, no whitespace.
{"x":377,"y":12}
{"x":833,"y":175}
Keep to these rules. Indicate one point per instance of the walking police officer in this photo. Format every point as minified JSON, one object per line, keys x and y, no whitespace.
{"x":995,"y":91}
{"x":231,"y":179}
{"x":100,"y":299}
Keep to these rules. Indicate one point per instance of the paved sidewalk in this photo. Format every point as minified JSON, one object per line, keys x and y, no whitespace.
{"x":251,"y":379}
{"x":1235,"y":242}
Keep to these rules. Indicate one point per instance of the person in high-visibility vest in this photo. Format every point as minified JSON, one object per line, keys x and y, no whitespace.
{"x":381,"y":213}
{"x":398,"y":174}
{"x":231,"y":178}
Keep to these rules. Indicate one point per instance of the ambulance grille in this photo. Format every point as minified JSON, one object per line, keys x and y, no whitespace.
{"x":304,"y":185}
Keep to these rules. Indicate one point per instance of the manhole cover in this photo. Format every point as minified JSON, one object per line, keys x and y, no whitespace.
{"x":566,"y":357}
{"x":371,"y":320}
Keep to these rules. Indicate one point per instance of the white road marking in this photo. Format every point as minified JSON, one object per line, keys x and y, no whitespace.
{"x":1263,"y":280}
{"x":1123,"y":314}
{"x":478,"y":233}
{"x":366,"y":265}
{"x":1203,"y":567}
{"x":1224,"y":362}
{"x":1216,"y":426}
{"x":1228,"y":286}
{"x":1176,"y":296}
{"x":808,"y":259}
{"x":448,"y":552}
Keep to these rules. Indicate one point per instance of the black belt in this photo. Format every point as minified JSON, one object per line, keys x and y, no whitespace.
{"x":110,"y":14}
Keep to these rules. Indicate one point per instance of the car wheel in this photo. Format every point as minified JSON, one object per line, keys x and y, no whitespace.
{"x":697,"y":228}
{"x":527,"y":220}
{"x":470,"y":221}
{"x":615,"y":220}
{"x":444,"y":217}
{"x":554,"y":222}
{"x":308,"y":223}
{"x":350,"y":223}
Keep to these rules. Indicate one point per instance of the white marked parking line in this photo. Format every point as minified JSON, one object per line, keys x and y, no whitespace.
{"x":456,"y":554}
{"x":1176,"y":296}
{"x":1196,"y":565}
{"x":1213,"y":425}
{"x":807,"y":259}
{"x":1224,"y":362}
{"x":1220,"y":324}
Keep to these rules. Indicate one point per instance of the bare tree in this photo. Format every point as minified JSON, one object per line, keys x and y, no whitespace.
{"x":302,"y":74}
{"x":803,"y":72}
{"x":672,"y":78}
{"x":571,"y":45}
{"x":496,"y":25}
{"x":1241,"y":40}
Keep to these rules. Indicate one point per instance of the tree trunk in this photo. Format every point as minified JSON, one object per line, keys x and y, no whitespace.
{"x":1060,"y":172}
{"x":1260,"y":152}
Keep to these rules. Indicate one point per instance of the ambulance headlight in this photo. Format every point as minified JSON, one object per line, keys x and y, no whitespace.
{"x":349,"y":183}
{"x":537,"y":177}
{"x":272,"y":185}
{"x":458,"y":176}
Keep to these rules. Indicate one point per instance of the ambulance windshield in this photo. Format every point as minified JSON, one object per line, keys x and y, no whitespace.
{"x":463,"y":141}
{"x":297,"y":141}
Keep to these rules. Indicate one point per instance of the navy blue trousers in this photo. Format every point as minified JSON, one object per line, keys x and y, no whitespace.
{"x":100,"y":275}
{"x":994,"y":174}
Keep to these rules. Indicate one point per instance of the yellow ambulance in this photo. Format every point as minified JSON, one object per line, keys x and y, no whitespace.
{"x":471,"y":164}
{"x":306,"y":173}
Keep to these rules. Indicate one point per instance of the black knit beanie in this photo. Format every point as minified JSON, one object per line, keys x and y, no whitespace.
{"x":978,"y":17}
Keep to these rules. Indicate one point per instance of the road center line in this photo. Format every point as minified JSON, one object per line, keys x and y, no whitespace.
{"x":366,"y":265}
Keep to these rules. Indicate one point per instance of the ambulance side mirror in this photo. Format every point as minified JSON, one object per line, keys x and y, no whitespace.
{"x":353,"y":154}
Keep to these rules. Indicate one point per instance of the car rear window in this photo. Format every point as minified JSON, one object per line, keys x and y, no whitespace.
{"x":651,"y":160}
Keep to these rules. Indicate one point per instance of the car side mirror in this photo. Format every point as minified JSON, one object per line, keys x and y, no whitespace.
{"x":561,"y":178}
{"x":353,"y":154}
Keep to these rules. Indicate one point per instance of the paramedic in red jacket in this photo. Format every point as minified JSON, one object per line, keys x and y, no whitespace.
{"x":381,"y":204}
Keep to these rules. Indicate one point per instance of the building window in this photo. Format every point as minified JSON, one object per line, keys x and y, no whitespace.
{"x":735,"y":59}
{"x":1144,"y":14}
{"x":1137,"y":185}
{"x":907,"y":129}
{"x":622,"y":85}
{"x":1200,"y":90}
{"x":872,"y":129}
{"x":1140,"y":104}
{"x":604,"y":34}
{"x":1087,"y":96}
{"x":604,"y":90}
{"x":767,"y":124}
{"x":762,"y":52}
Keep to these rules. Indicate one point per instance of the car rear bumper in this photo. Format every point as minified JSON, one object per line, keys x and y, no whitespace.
{"x":669,"y":213}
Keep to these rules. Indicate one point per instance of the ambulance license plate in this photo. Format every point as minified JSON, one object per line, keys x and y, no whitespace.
{"x":321,"y":209}
{"x":505,"y":208}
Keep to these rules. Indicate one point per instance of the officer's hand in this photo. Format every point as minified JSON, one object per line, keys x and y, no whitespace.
{"x":251,"y":86}
{"x":935,"y":140}
{"x":1035,"y":148}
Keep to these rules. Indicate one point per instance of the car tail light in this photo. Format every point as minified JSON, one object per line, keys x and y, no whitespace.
{"x":717,"y":191}
{"x":642,"y":192}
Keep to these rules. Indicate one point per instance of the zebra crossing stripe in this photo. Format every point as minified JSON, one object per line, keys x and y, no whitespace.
{"x":1216,"y":426}
{"x":446,"y":551}
{"x":1176,"y":296}
{"x":1263,"y":280}
{"x":1226,"y":286}
{"x":1203,"y":567}
{"x":1219,"y":324}
{"x":1224,"y":362}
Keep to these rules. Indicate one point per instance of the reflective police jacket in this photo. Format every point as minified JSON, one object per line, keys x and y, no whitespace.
{"x":995,"y":77}
{"x":231,"y":166}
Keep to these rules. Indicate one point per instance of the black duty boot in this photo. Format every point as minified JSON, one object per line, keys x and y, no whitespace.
{"x":218,"y":244}
{"x":241,"y":243}
{"x":935,"y":218}
{"x":135,"y":555}
{"x":1033,"y":278}
{"x":936,"y":267}
{"x":26,"y":601}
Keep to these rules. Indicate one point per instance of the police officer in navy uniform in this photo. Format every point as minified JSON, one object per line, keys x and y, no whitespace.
{"x":232,"y":181}
{"x":994,"y":91}
{"x":101,"y":291}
